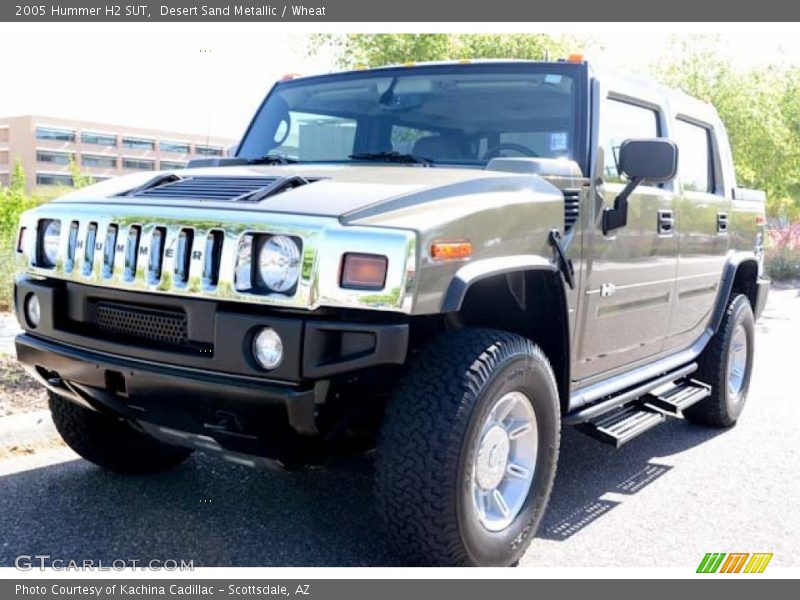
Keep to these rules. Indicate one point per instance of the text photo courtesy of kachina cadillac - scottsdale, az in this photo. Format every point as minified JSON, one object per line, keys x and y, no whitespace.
{"x":398,"y":299}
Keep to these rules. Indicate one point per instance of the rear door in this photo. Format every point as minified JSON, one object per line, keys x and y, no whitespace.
{"x":703,"y":222}
{"x":630,"y":273}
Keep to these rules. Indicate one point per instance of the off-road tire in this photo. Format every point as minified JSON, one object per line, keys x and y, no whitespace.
{"x":722,"y":408}
{"x":111,"y":442}
{"x":426,"y":447}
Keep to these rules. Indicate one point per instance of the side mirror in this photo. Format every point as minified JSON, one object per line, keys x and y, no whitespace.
{"x":653,"y":160}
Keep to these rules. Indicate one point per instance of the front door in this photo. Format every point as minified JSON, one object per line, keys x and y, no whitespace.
{"x":629,"y":273}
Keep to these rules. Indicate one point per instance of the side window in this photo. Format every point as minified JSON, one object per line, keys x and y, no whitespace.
{"x":695,"y":157}
{"x":620,"y":121}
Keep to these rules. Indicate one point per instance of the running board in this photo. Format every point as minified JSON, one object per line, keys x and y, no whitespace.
{"x":623,"y":424}
{"x":626,"y":396}
{"x":674,"y":398}
{"x":620,"y":418}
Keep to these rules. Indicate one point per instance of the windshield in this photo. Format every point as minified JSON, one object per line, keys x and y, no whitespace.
{"x":454,"y":115}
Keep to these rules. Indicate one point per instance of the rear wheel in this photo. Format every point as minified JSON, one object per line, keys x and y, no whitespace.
{"x":468,"y":449}
{"x":726,"y":364}
{"x":111,"y":442}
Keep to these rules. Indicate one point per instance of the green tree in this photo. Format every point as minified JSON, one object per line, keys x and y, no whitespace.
{"x":79,"y":179}
{"x":761,"y":111}
{"x":376,"y":50}
{"x":13,"y":200}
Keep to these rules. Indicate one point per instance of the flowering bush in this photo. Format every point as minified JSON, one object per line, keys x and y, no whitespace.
{"x":782,"y":258}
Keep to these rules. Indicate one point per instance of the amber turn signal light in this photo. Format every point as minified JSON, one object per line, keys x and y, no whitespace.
{"x":451,"y":250}
{"x":364,"y":271}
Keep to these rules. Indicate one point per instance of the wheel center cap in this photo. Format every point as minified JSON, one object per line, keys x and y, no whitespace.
{"x":492,"y":459}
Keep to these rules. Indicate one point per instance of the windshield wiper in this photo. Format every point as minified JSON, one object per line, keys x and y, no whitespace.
{"x":271,"y":159}
{"x":392,"y":156}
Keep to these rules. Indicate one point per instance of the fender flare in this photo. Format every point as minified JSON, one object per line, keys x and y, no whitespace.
{"x":489,"y":267}
{"x":732,"y":265}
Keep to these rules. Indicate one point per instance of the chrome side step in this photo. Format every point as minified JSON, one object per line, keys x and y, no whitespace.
{"x":624,"y":424}
{"x":674,"y":398}
{"x":627,"y":396}
{"x":620,"y":418}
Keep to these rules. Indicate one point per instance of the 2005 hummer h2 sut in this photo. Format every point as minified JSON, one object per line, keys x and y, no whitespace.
{"x":445,"y":262}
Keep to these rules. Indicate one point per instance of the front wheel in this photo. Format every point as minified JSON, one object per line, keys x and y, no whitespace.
{"x":111,"y":442}
{"x":468,"y":450}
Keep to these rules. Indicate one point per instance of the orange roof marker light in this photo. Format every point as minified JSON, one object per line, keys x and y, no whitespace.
{"x":289,"y":76}
{"x":575,"y":58}
{"x":451,"y":250}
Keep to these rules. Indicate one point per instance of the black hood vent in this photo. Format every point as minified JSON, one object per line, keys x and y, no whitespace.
{"x":222,"y":189}
{"x":203,"y":188}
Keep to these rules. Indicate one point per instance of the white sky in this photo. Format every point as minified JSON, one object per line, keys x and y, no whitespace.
{"x":208,"y":78}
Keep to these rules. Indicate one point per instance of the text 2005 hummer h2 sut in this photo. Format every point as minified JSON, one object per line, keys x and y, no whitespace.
{"x":445,"y":262}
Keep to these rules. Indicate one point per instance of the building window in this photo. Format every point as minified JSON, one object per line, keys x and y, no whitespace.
{"x":208,"y":150}
{"x":3,"y":158}
{"x":52,"y":179}
{"x":138,"y":143}
{"x":54,"y":158}
{"x":176,"y":147}
{"x":138,"y":164}
{"x":99,"y":139}
{"x":102,"y":162}
{"x":172,"y":164}
{"x":57,"y":135}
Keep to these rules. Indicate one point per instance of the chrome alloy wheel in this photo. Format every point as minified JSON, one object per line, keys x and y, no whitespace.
{"x":737,"y":361}
{"x":505,"y":461}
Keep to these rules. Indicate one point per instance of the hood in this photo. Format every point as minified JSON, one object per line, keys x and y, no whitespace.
{"x":348,"y":192}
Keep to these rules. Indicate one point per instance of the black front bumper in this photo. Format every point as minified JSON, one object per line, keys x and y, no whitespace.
{"x":220,"y":393}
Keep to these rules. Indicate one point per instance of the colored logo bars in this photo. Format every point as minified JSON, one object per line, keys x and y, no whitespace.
{"x":735,"y":562}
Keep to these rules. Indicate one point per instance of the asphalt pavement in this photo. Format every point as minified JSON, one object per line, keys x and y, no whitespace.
{"x":663,"y":500}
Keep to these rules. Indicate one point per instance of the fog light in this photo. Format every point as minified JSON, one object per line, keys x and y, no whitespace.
{"x":33,"y":310}
{"x":268,"y":348}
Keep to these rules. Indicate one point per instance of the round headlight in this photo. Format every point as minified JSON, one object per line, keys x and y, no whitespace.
{"x":279,"y":263}
{"x":33,"y":310}
{"x":52,"y":234}
{"x":268,"y":348}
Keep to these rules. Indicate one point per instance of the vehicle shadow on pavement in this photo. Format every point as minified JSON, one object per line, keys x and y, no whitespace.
{"x":588,"y":470}
{"x":218,"y":514}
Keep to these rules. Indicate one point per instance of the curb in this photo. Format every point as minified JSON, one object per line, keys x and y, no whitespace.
{"x":26,"y":429}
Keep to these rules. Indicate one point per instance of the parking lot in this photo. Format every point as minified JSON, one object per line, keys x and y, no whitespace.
{"x":663,"y":500}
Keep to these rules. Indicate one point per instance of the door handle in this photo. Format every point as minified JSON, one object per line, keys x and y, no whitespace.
{"x":722,"y":222}
{"x":666,"y":223}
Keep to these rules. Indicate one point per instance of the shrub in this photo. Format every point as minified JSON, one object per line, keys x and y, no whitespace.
{"x":14,"y":199}
{"x":782,"y":256}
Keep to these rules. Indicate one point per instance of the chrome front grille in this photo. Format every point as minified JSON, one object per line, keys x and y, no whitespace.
{"x":193,"y":252}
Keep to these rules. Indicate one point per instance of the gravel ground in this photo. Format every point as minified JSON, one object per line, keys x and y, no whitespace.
{"x":663,"y":500}
{"x":18,"y":392}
